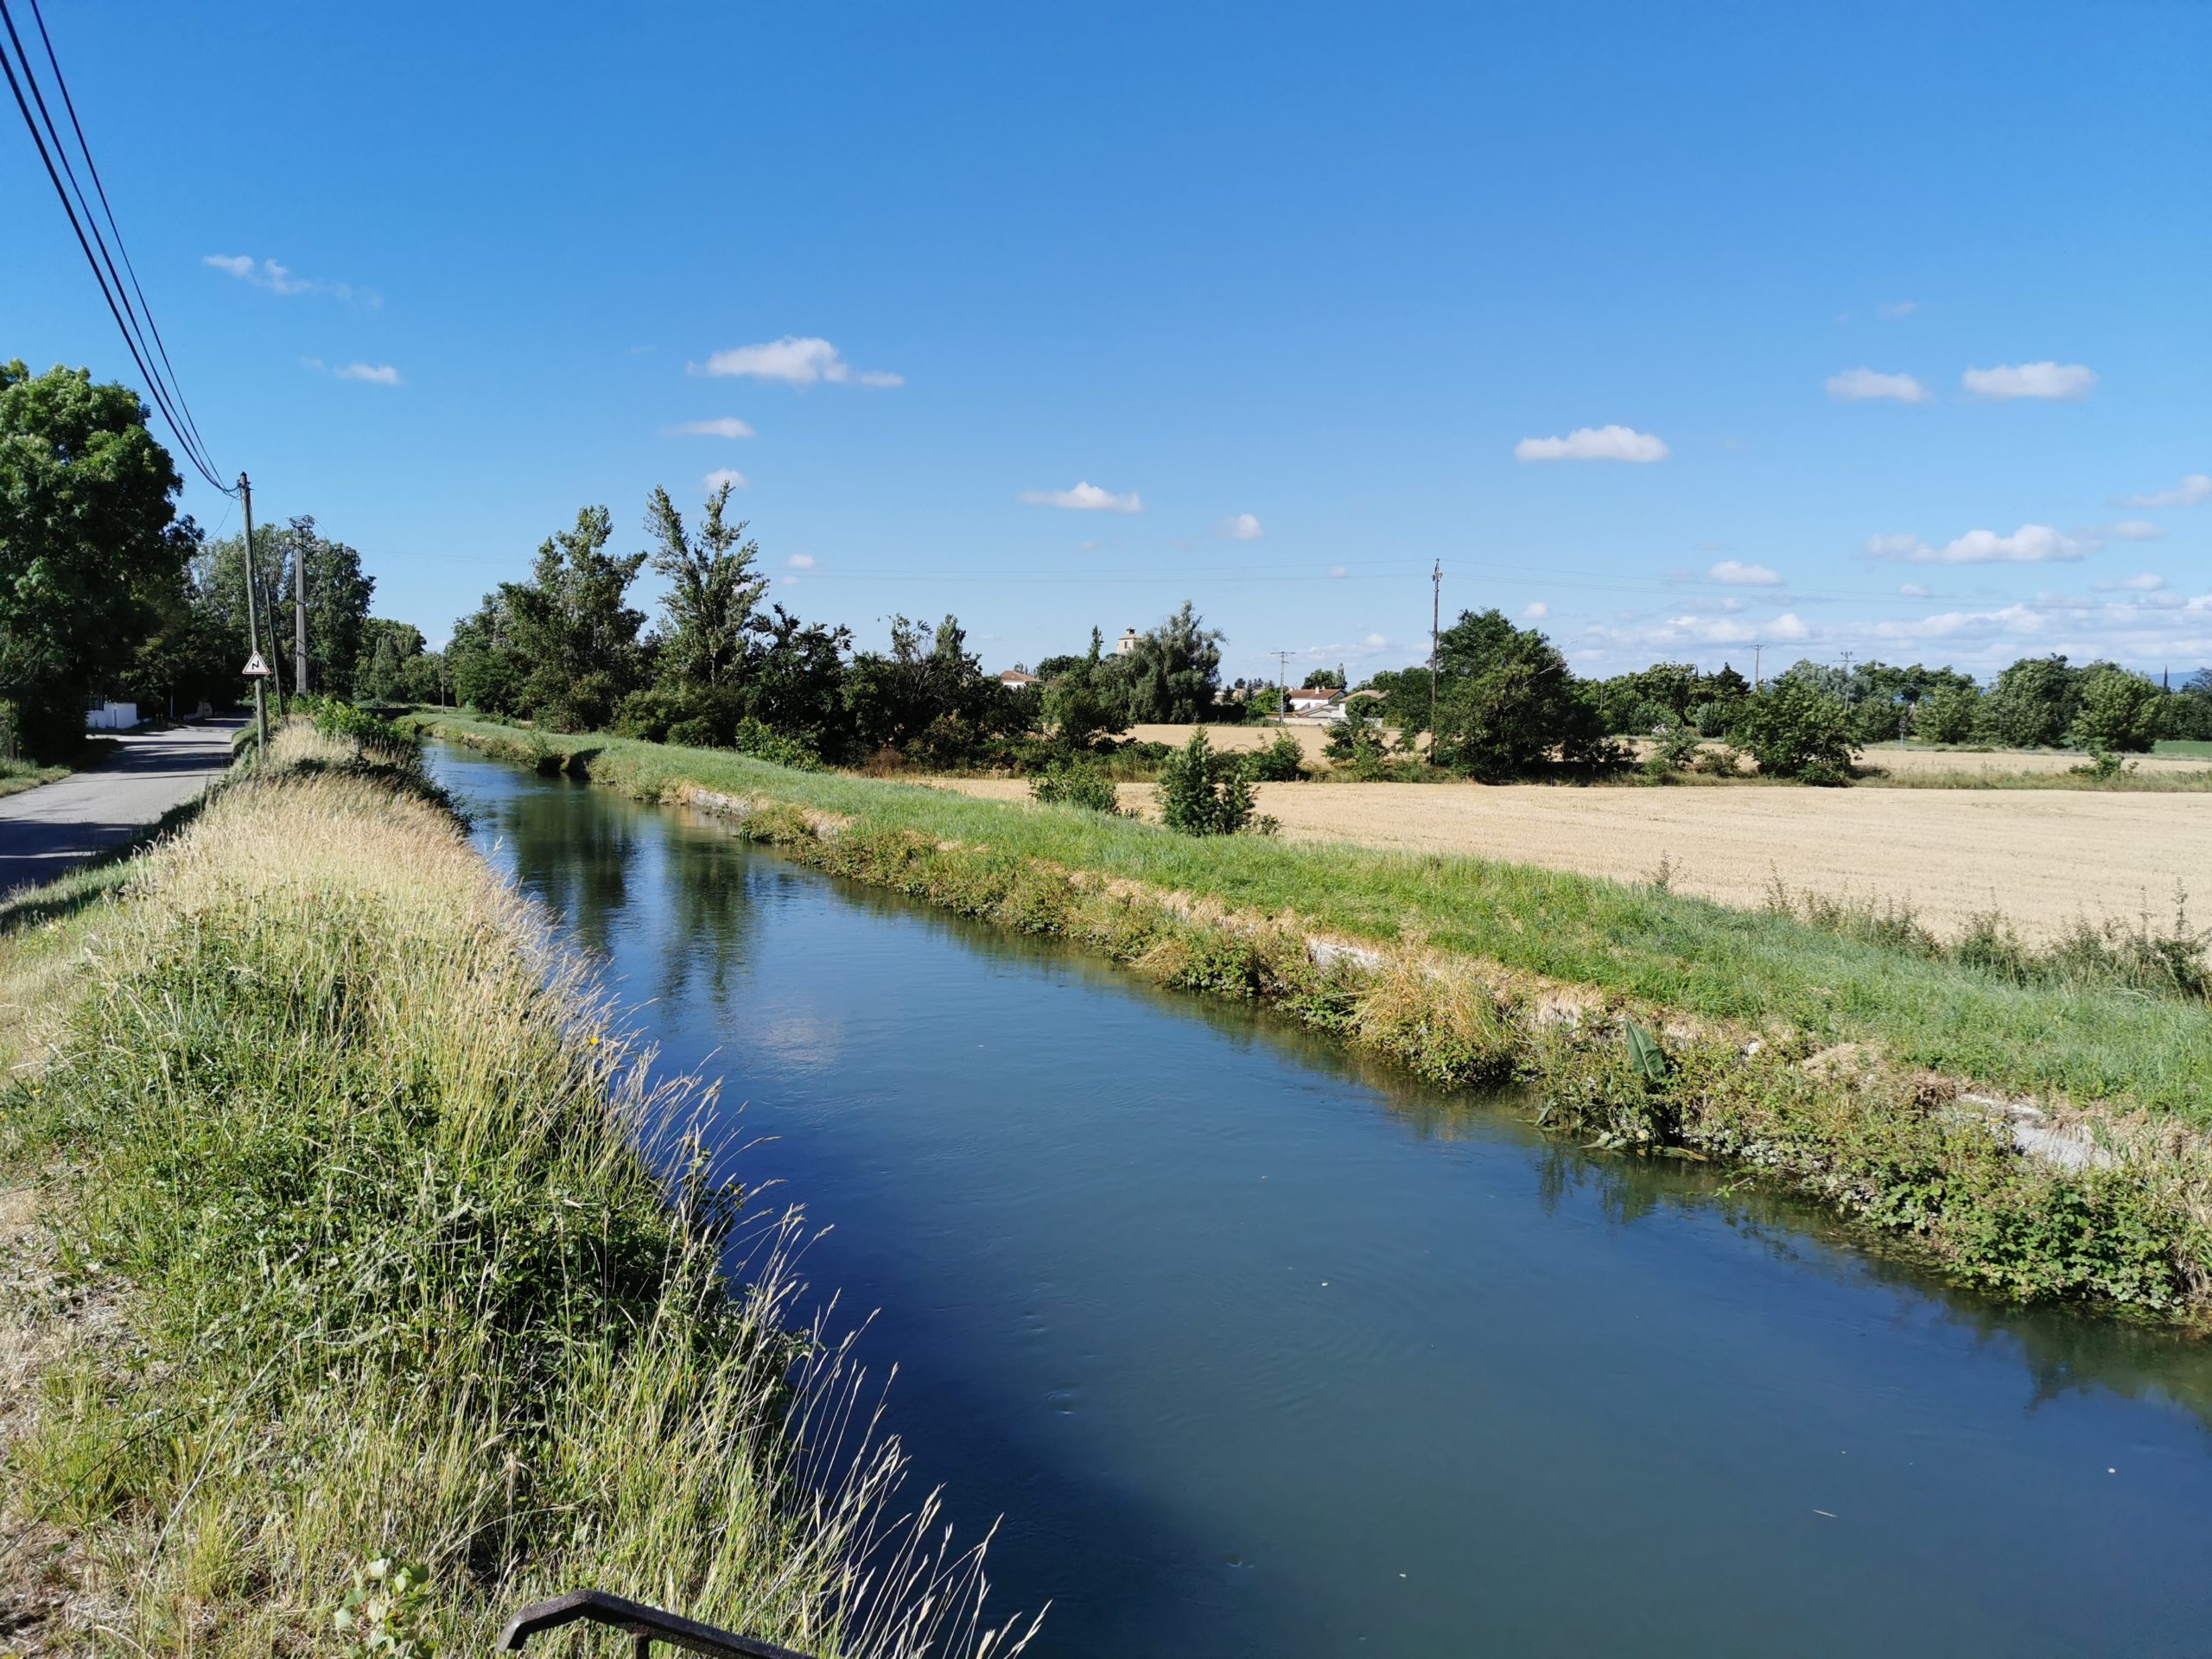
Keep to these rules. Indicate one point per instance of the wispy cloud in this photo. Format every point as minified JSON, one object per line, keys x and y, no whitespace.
{"x":376,"y":374}
{"x":2146,"y":583}
{"x":2194,"y":491}
{"x":280,"y":279}
{"x":1859,"y":385}
{"x":722,"y":426}
{"x":1085,"y":497}
{"x":1242,"y":528}
{"x":1534,"y":610}
{"x":2065,"y":382}
{"x":1734,"y":572}
{"x":1337,"y":572}
{"x":801,"y":562}
{"x":1895,"y":310}
{"x":2028,"y":544}
{"x":794,"y":360}
{"x":2127,"y":530}
{"x":1594,"y":443}
{"x":722,"y":475}
{"x":1914,"y":589}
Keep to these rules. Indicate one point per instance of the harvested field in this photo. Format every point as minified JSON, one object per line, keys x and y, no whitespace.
{"x":2043,"y":857}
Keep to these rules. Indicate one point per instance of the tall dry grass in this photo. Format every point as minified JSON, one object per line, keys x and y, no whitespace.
{"x":383,"y":1204}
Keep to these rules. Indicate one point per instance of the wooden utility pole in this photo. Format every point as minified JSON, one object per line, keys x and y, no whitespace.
{"x":299,"y":613}
{"x":253,"y":621}
{"x":1435,"y":615}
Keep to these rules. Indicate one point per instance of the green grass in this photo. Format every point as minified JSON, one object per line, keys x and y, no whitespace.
{"x":2188,"y":747}
{"x":350,"y":1253}
{"x":2089,"y":1041}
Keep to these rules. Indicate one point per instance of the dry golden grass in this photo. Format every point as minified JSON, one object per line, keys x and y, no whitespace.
{"x":2043,"y":857}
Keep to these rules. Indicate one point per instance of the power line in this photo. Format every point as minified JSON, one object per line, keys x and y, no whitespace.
{"x":99,"y":187}
{"x":118,"y":304}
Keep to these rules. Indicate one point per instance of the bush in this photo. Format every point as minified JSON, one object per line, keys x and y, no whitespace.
{"x":1282,"y":761}
{"x":1796,"y":730}
{"x":1204,"y":794}
{"x":764,"y":742}
{"x":1073,"y":785}
{"x":1676,"y":751}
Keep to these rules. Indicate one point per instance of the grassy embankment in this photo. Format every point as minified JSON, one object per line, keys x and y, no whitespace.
{"x":324,"y":1237}
{"x":1841,"y":1065}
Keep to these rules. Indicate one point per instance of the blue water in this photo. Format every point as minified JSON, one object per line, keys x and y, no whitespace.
{"x":1260,"y":1348}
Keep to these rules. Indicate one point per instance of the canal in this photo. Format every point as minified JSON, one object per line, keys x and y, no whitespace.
{"x":1258,"y":1347}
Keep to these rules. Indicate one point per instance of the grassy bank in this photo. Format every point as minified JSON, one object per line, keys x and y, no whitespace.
{"x":329,"y":1240}
{"x":1643,"y":1021}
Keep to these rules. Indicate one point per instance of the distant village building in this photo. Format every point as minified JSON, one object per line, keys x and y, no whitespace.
{"x":1017,"y":679}
{"x":1127,"y":643}
{"x":1324,"y":701}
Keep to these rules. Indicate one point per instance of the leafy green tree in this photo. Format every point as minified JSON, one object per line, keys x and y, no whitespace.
{"x":2119,"y":711}
{"x":339,"y":594}
{"x":1506,"y":700}
{"x":1174,"y":673}
{"x":1085,"y":699}
{"x":487,"y":672}
{"x":1796,"y":729}
{"x":574,"y":634}
{"x":930,"y":700}
{"x":1202,"y":791}
{"x":1950,"y":714}
{"x":89,"y":541}
{"x":712,"y":605}
{"x":389,"y":650}
{"x":797,"y":684}
{"x":2033,"y":702}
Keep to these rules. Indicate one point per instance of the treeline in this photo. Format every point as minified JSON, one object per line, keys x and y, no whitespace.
{"x":719,"y":668}
{"x":106,"y":592}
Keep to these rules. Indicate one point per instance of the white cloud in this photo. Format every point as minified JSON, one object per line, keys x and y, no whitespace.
{"x":720,"y":476}
{"x":1593,"y":443}
{"x":1536,"y":611}
{"x":376,"y":374}
{"x":1858,"y":385}
{"x":1377,"y":642}
{"x":280,"y":279}
{"x":790,"y":582}
{"x":2028,"y":544}
{"x":1734,"y":572}
{"x":722,"y":426}
{"x":801,"y":562}
{"x":1897,"y":308}
{"x":2064,"y":381}
{"x":2146,"y":583}
{"x":794,"y":360}
{"x":1914,"y":589}
{"x":2193,"y":491}
{"x":1242,"y":528}
{"x":2128,"y":529}
{"x":1085,"y":497}
{"x":1337,"y":572}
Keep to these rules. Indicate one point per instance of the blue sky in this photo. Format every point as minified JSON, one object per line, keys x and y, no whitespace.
{"x":1073,"y":315}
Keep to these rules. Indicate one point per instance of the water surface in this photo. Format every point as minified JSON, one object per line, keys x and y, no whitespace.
{"x":1260,"y":1347}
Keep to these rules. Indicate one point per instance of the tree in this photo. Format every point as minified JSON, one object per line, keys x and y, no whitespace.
{"x":1950,"y":714}
{"x":1202,"y":793}
{"x":1795,"y":729}
{"x":89,"y":537}
{"x":797,"y":684}
{"x":1174,"y":673}
{"x":487,"y":672}
{"x":935,"y":702}
{"x":575,"y":637}
{"x":390,"y":650}
{"x":2033,"y":702}
{"x":713,"y":600}
{"x":1506,"y":700}
{"x":1086,"y":700}
{"x":338,"y":608}
{"x":2119,"y":711}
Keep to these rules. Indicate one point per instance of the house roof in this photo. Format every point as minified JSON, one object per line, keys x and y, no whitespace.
{"x":1015,"y":676}
{"x":1318,"y":693}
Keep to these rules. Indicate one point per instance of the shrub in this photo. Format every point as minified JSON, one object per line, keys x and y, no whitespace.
{"x":763,"y":742}
{"x":1796,"y":730}
{"x":1204,"y":793}
{"x":1676,"y":750}
{"x":1282,"y":761}
{"x":1073,"y":785}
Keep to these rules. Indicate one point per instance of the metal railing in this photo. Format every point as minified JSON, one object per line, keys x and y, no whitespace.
{"x":646,"y":1625}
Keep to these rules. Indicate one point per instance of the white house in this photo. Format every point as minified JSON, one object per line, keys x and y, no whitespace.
{"x":1323,"y":701}
{"x":1016,"y":679}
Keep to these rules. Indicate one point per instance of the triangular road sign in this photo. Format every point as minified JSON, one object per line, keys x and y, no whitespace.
{"x":255,"y":669}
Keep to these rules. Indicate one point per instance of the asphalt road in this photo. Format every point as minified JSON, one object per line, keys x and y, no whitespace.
{"x":45,"y":832}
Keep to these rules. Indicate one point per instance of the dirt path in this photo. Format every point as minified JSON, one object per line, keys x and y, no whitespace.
{"x":2042,"y":856}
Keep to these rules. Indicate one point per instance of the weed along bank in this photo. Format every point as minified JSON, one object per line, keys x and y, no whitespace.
{"x":2040,"y":1140}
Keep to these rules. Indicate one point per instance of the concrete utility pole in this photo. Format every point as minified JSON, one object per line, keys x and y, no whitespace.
{"x":1756,"y":650}
{"x":1282,"y":685}
{"x":299,"y":615}
{"x":252,"y":619}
